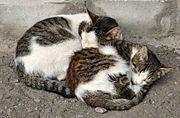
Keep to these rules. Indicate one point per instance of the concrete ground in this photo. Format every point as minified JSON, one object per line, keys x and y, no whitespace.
{"x":157,"y":28}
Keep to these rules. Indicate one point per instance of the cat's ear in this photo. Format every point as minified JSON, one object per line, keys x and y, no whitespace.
{"x":115,"y":33}
{"x":93,"y":16}
{"x":165,"y":70}
{"x":143,"y":54}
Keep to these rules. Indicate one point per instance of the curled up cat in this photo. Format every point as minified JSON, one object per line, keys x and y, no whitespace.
{"x":112,"y":73}
{"x":43,"y":53}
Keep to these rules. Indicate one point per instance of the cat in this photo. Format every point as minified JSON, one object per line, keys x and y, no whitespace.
{"x":43,"y":53}
{"x":145,"y":69}
{"x":97,"y":76}
{"x":92,"y":70}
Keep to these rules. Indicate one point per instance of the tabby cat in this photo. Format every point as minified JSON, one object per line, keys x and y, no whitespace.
{"x":112,"y":73}
{"x":43,"y":52}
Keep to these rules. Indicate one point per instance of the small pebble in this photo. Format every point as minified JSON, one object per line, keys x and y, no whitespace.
{"x":175,"y":83}
{"x":16,"y":81}
{"x":36,"y":108}
{"x":151,"y":101}
{"x":5,"y":107}
{"x":37,"y":100}
{"x":170,"y":94}
{"x":100,"y":110}
{"x":79,"y":116}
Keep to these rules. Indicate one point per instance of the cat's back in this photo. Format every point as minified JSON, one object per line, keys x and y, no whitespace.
{"x":49,"y":31}
{"x":68,"y":22}
{"x":45,"y":33}
{"x":91,"y":58}
{"x":88,"y":62}
{"x":75,"y":20}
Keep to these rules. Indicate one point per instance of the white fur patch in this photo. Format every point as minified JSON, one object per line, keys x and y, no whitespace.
{"x":135,"y":88}
{"x":138,"y":78}
{"x":50,"y":61}
{"x":109,"y":50}
{"x":89,"y":39}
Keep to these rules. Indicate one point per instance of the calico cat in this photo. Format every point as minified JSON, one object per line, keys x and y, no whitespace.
{"x":112,"y":73}
{"x":43,"y":52}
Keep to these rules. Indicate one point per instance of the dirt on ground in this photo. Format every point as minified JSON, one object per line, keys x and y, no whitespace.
{"x":19,"y":101}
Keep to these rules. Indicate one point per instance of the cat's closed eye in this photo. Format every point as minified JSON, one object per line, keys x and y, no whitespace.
{"x":100,"y":33}
{"x":134,"y":65}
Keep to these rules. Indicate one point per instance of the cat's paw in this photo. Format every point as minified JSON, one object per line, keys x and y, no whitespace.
{"x":100,"y":110}
{"x":125,"y":81}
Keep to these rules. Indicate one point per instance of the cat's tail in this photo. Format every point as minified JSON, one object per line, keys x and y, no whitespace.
{"x":37,"y":82}
{"x":125,"y":104}
{"x":108,"y":103}
{"x":55,"y":86}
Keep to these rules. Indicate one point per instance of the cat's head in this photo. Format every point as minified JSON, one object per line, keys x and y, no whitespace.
{"x":146,"y":68}
{"x":102,"y":30}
